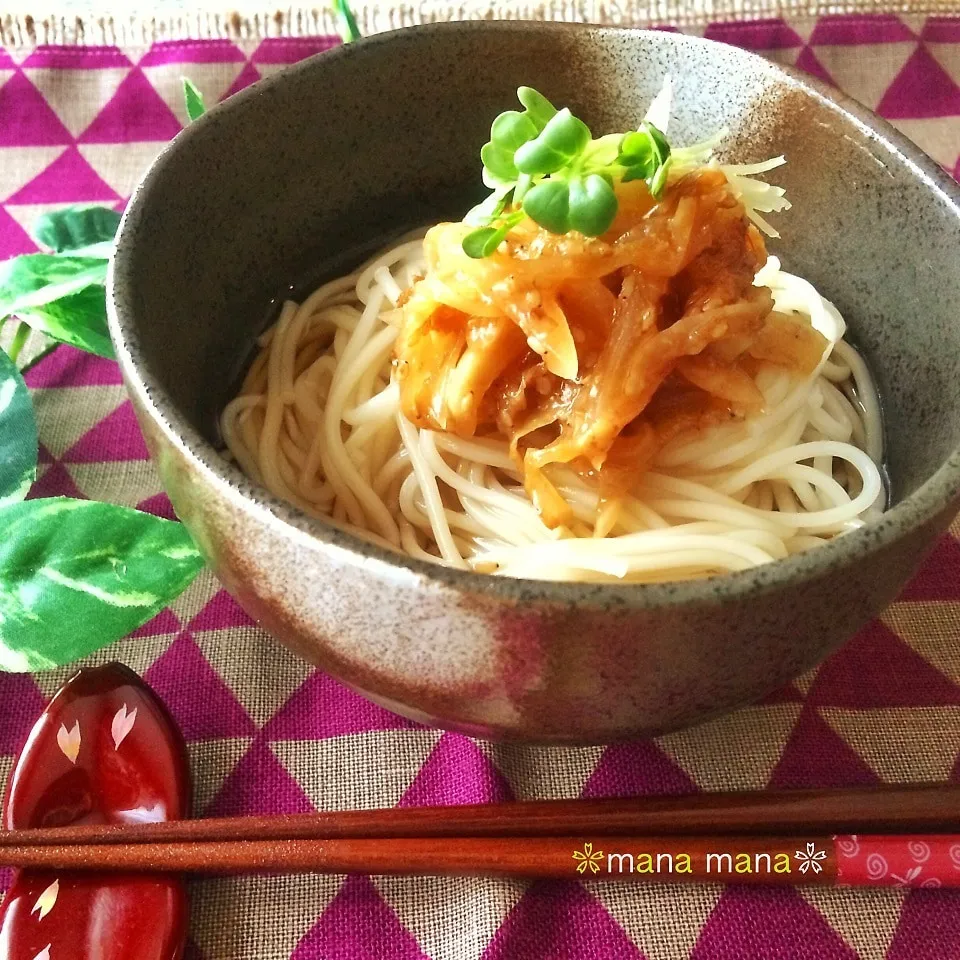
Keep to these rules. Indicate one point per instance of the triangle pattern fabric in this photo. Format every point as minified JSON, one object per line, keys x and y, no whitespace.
{"x":948,"y":56}
{"x":868,"y":75}
{"x":116,"y":437}
{"x":136,"y":112}
{"x":559,"y":920}
{"x":243,"y":79}
{"x":324,"y":708}
{"x":373,"y":769}
{"x":816,"y":756}
{"x":68,"y":179}
{"x":159,"y":505}
{"x":188,"y":51}
{"x":259,"y":784}
{"x":918,"y":744}
{"x":67,"y":365}
{"x":358,"y":924}
{"x":288,"y":50}
{"x":927,"y":626}
{"x":456,"y":772}
{"x":922,"y":89}
{"x":66,"y":58}
{"x":27,"y":118}
{"x":22,"y":705}
{"x":55,"y":481}
{"x":755,"y":34}
{"x":164,"y":622}
{"x":940,"y":575}
{"x":877,"y":669}
{"x":211,"y":79}
{"x":121,"y":164}
{"x":204,"y":708}
{"x":14,"y":240}
{"x":216,"y":758}
{"x":929,"y":927}
{"x":860,"y":31}
{"x":21,"y":164}
{"x":89,"y":90}
{"x":222,"y":611}
{"x":634,"y":769}
{"x":808,"y":62}
{"x":741,"y":748}
{"x":768,"y":923}
{"x":845,"y":908}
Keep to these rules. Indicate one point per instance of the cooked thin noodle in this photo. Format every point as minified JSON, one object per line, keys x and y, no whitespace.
{"x":318,"y":422}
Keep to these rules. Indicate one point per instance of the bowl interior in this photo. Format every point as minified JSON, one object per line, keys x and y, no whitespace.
{"x":301,"y":175}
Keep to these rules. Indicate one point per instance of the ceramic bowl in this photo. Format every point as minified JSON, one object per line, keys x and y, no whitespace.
{"x":291,"y":178}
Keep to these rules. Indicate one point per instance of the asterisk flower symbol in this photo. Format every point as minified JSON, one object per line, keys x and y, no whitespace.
{"x":588,"y":857}
{"x":809,"y":858}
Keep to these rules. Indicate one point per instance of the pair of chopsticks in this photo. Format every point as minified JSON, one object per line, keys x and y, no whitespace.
{"x":593,"y":839}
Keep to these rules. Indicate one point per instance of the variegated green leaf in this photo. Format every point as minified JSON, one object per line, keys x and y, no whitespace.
{"x":76,"y":575}
{"x":18,"y":435}
{"x":85,"y":229}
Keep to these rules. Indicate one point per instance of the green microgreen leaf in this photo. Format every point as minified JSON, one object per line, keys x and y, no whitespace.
{"x":193,"y":99}
{"x":537,"y":107}
{"x":75,"y":575}
{"x":548,"y":203}
{"x":82,"y":230}
{"x":484,"y":241}
{"x":659,"y":180}
{"x":561,"y":140}
{"x":346,"y":21}
{"x":498,"y":163}
{"x":593,"y":205}
{"x":18,"y":438}
{"x":545,"y":162}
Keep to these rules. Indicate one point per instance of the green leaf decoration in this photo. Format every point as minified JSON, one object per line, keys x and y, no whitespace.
{"x":83,"y":230}
{"x":193,"y":99}
{"x":79,"y":319}
{"x":75,"y":575}
{"x":18,"y":437}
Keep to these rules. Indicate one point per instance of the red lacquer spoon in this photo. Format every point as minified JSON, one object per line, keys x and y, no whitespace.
{"x":104,"y":751}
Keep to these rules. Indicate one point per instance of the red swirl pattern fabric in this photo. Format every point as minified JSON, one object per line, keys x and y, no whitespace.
{"x":266,"y":733}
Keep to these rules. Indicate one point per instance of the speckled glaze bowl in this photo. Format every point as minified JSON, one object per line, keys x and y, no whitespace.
{"x":292,"y":177}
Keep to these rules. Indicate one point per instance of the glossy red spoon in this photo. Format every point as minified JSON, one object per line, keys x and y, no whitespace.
{"x":105,"y":751}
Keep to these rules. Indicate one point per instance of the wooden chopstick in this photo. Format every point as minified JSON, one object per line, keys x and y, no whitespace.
{"x":911,"y":808}
{"x":836,"y":860}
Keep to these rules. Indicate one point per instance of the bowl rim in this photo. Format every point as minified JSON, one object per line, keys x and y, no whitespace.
{"x":933,"y":496}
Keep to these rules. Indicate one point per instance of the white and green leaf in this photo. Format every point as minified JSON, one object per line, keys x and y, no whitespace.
{"x":36,"y":279}
{"x":18,"y":435}
{"x":75,"y":575}
{"x":83,"y":230}
{"x":79,"y":319}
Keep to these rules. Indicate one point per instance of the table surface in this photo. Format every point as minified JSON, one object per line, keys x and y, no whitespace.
{"x":268,"y":734}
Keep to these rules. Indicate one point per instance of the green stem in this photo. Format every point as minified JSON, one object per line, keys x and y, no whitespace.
{"x":19,"y":341}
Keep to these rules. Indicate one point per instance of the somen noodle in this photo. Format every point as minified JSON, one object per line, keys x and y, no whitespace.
{"x":733,"y":426}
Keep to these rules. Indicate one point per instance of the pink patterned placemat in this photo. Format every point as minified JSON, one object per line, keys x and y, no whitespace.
{"x":268,"y":734}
